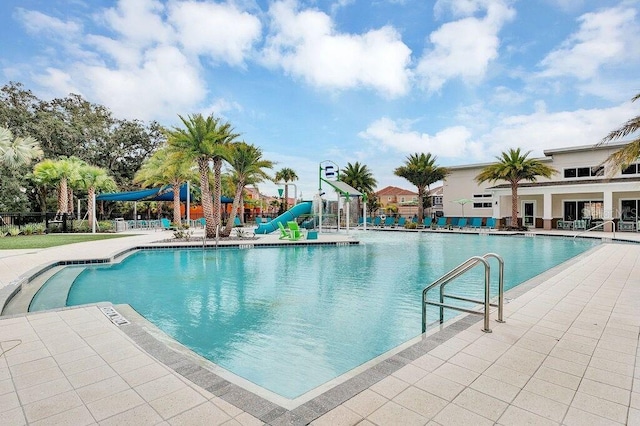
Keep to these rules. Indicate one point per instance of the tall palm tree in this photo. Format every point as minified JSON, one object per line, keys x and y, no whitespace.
{"x":359,"y":177}
{"x":514,"y":167}
{"x":286,"y":175}
{"x":16,"y":152}
{"x":92,"y":179}
{"x":205,"y":140}
{"x":167,"y":166}
{"x":628,"y":154}
{"x":248,"y":169}
{"x":421,"y":170}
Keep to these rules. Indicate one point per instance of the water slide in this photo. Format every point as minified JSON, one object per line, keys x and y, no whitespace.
{"x":295,"y":211}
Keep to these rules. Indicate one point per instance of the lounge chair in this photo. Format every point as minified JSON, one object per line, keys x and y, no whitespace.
{"x":462,"y":223}
{"x":442,"y":222}
{"x":453,"y":222}
{"x":236,"y":221}
{"x":284,"y":232}
{"x":389,"y":221}
{"x":377,"y":221}
{"x":427,"y":221}
{"x":491,"y":223}
{"x":295,"y":232}
{"x":401,"y":222}
{"x":165,"y":223}
{"x":476,"y":222}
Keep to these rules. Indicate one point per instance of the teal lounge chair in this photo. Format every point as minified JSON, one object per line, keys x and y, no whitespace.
{"x":442,"y":222}
{"x":491,"y":223}
{"x":295,"y":232}
{"x":376,"y":221}
{"x":462,"y":223}
{"x":453,"y":222}
{"x":236,"y":221}
{"x":427,"y":221}
{"x":284,"y":232}
{"x":389,"y":221}
{"x":401,"y":222}
{"x":476,"y":222}
{"x":165,"y":224}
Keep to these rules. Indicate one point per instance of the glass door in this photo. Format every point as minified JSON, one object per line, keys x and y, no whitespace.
{"x":529,"y":209}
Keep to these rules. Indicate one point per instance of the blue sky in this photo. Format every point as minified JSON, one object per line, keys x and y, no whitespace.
{"x":345,"y":80}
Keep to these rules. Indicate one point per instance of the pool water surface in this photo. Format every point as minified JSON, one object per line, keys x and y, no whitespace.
{"x":290,"y":319}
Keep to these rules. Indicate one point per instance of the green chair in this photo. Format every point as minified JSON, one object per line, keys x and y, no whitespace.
{"x":285,"y":234}
{"x":295,"y":232}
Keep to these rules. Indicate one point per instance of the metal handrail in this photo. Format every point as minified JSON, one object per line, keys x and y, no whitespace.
{"x":456,"y":272}
{"x":598,"y":226}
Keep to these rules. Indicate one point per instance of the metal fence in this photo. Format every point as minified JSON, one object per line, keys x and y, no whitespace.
{"x":18,"y":220}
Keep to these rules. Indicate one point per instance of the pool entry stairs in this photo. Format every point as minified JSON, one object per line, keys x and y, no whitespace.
{"x":459,"y":270}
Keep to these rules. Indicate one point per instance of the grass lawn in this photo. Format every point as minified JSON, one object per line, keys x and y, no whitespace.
{"x":50,"y":240}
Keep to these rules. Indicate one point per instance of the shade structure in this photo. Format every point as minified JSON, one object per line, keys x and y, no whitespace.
{"x":164,"y":193}
{"x":462,"y":202}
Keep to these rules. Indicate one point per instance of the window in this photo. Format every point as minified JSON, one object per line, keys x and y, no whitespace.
{"x":389,"y":199}
{"x":583,"y":172}
{"x":583,"y":210}
{"x":402,"y":199}
{"x":629,"y":210}
{"x":631,"y":170}
{"x":482,"y":205}
{"x":437,"y":199}
{"x":482,"y":195}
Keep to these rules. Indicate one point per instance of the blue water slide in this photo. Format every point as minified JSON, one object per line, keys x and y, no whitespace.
{"x":295,"y":211}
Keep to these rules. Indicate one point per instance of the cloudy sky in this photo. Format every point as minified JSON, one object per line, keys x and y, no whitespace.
{"x":343,"y":80}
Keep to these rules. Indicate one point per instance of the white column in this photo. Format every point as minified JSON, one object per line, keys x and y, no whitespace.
{"x":496,"y":206}
{"x":547,"y":210}
{"x":608,"y":212}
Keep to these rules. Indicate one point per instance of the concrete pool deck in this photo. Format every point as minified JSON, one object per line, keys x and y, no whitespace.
{"x":568,"y":354}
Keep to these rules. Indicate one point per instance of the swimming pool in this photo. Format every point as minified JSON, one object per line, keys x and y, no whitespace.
{"x":290,"y":319}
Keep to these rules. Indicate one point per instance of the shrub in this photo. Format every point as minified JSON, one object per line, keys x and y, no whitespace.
{"x":13,"y":231}
{"x":39,"y":228}
{"x":410,"y":225}
{"x":104,"y":225}
{"x":28,"y":229}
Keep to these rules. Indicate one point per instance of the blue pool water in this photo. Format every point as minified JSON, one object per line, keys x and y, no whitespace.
{"x":290,"y":319}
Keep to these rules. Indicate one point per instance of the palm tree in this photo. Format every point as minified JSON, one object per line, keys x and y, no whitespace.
{"x":92,"y":179}
{"x":57,"y":173}
{"x":359,"y":177}
{"x":421,"y":170}
{"x":16,"y":152}
{"x":167,"y":166}
{"x":248,"y":169}
{"x":205,"y":140}
{"x":514,"y":166}
{"x":286,"y":175}
{"x":630,"y":152}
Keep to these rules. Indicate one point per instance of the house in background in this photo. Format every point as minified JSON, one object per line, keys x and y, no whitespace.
{"x":403,"y":201}
{"x":582,"y":189}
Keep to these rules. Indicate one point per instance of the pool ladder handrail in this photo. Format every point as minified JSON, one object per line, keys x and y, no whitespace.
{"x":456,"y":272}
{"x":598,"y":226}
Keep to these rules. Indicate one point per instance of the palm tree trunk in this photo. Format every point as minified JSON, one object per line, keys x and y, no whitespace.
{"x":176,"y":203}
{"x":286,"y":196}
{"x":420,"y":204}
{"x":514,"y":204}
{"x":91,"y":192}
{"x":237,"y":198}
{"x":217,"y":190}
{"x":62,"y":196}
{"x":70,"y":200}
{"x":207,"y":202}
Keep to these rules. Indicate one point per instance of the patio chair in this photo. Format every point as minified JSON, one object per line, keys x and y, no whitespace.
{"x":236,"y":221}
{"x":377,"y":221}
{"x":491,"y":223}
{"x":389,"y":221}
{"x":442,"y":222}
{"x":426,"y":222}
{"x":476,"y":222}
{"x":165,"y":224}
{"x":295,"y":232}
{"x":462,"y":223}
{"x":453,"y":222}
{"x":580,"y":224}
{"x":284,"y":232}
{"x":401,"y":222}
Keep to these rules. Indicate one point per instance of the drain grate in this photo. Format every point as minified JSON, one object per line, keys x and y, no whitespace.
{"x":114,"y":316}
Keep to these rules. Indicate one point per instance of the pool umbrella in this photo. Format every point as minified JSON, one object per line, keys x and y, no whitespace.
{"x":462,"y":202}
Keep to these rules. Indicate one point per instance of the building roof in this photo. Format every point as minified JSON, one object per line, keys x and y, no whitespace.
{"x":394,"y":190}
{"x":568,"y":182}
{"x":436,"y":192}
{"x":582,"y":148}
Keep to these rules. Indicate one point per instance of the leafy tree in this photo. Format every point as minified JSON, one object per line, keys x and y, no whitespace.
{"x":359,"y":177}
{"x":205,"y":140}
{"x":514,"y":167}
{"x":167,"y":167}
{"x":57,"y":173}
{"x":16,"y":153}
{"x":421,"y":170}
{"x":248,"y":169}
{"x":286,"y":175}
{"x":373,"y":203}
{"x":628,"y":154}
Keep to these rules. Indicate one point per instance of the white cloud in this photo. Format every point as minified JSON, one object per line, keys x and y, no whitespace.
{"x":397,"y":135}
{"x":463,"y":48}
{"x":38,"y":23}
{"x":139,"y":22}
{"x":216,"y":29}
{"x":604,"y":38}
{"x":305,"y":44}
{"x":57,"y":81}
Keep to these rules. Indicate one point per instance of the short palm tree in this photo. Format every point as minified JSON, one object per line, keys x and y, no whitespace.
{"x":286,"y":175}
{"x":359,"y":177}
{"x":17,"y":152}
{"x":421,"y":170}
{"x":631,"y":151}
{"x":248,"y":169}
{"x":206,"y":141}
{"x":514,"y":167}
{"x":167,"y":166}
{"x":58,"y":173}
{"x":92,"y":179}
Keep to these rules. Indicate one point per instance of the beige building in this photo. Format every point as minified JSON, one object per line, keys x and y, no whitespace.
{"x":582,"y":189}
{"x":406,"y":201}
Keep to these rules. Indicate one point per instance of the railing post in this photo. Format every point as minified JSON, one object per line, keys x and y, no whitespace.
{"x":487,"y":296}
